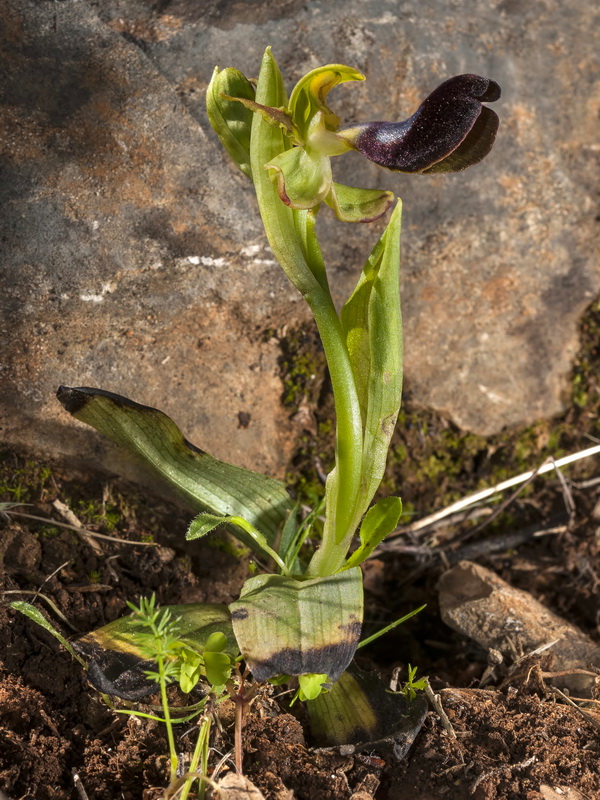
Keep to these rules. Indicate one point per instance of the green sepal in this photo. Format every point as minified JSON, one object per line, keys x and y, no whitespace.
{"x":291,"y":627}
{"x":201,"y":480}
{"x":351,"y":204}
{"x":380,"y":520}
{"x":204,"y":523}
{"x":231,"y":121}
{"x":309,"y":94}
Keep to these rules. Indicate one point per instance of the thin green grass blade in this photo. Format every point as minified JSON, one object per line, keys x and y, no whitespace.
{"x":34,"y":614}
{"x":390,"y":627}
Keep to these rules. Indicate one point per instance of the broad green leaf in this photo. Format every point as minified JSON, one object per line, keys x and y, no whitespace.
{"x":118,"y":662}
{"x":359,"y":714}
{"x":291,"y":627}
{"x":379,"y":521}
{"x":34,"y":614}
{"x":216,"y":643}
{"x":203,"y":481}
{"x":205,"y":523}
{"x":372,"y":324}
{"x":218,"y":668}
{"x":230,"y":119}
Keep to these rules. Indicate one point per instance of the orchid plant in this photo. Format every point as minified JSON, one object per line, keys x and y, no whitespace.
{"x":304,"y":618}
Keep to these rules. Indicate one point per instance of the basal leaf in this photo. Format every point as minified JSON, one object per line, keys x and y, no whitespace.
{"x":203,"y":481}
{"x":118,"y":662}
{"x":359,"y":714}
{"x":291,"y":627}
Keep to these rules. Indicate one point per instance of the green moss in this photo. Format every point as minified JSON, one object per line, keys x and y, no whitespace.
{"x":92,"y":512}
{"x":302,"y":365}
{"x":48,"y":532}
{"x":23,"y":482}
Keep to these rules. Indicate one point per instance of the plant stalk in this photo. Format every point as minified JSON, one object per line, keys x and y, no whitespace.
{"x":200,"y":754}
{"x":295,"y":246}
{"x":174,"y":761}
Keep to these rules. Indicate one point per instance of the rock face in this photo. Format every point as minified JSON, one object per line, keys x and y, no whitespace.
{"x":133,"y":258}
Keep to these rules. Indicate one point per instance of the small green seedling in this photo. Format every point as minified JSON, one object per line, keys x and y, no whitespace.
{"x":412,"y":686}
{"x":158,"y":635}
{"x":305,"y":617}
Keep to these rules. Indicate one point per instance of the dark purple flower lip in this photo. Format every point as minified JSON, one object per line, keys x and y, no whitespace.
{"x":450,"y":131}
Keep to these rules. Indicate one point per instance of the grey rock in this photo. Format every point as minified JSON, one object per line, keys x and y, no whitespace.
{"x":124,"y":266}
{"x":133,"y":255}
{"x":478,"y":604}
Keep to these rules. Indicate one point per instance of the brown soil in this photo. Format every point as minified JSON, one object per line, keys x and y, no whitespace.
{"x":513,"y":739}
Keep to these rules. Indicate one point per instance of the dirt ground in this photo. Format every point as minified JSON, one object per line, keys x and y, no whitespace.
{"x":513,"y":739}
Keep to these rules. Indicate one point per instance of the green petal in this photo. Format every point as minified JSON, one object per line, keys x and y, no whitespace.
{"x":308,"y":95}
{"x":274,"y":116}
{"x":303,"y":177}
{"x":358,"y":205}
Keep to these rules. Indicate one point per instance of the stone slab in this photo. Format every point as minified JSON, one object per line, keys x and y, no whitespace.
{"x":133,"y":257}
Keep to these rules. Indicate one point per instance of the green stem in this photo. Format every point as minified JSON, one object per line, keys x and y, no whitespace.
{"x":200,"y":752}
{"x":167,"y":712}
{"x":294,"y":244}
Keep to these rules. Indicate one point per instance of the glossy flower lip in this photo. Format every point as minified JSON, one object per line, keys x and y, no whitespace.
{"x":450,"y":131}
